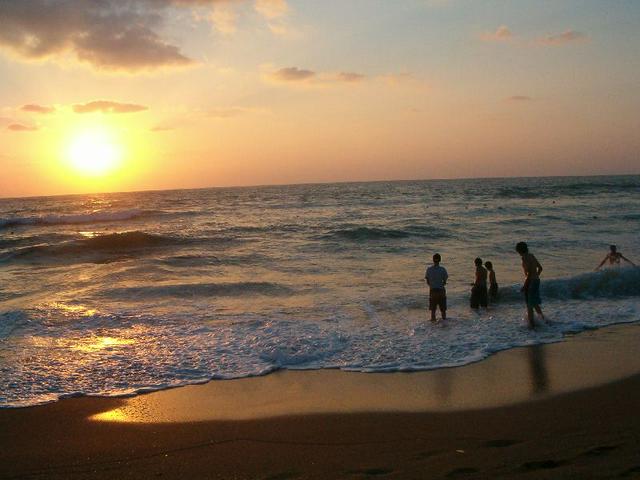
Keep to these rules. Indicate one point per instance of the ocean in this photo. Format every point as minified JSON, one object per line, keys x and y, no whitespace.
{"x":123,"y":293}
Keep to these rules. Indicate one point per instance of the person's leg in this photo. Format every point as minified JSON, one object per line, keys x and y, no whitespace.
{"x":432,"y":305}
{"x":443,"y":307}
{"x":539,"y":311}
{"x":473,"y":301}
{"x":530,"y":318}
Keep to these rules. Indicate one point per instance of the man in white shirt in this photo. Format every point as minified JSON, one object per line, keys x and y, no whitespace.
{"x":436,"y":277}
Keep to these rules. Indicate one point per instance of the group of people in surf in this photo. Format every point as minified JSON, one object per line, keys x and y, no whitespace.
{"x":436,"y":277}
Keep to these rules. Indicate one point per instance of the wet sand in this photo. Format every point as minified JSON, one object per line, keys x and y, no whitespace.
{"x":567,"y":410}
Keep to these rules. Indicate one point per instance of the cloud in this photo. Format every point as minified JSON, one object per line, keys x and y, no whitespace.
{"x":293,"y":74}
{"x":106,"y":34}
{"x":568,"y":36}
{"x":106,"y":106}
{"x":502,"y":34}
{"x":519,"y":98}
{"x":272,"y":9}
{"x":350,"y":77}
{"x":19,"y":127}
{"x":34,"y":108}
{"x":224,"y":18}
{"x":302,"y":77}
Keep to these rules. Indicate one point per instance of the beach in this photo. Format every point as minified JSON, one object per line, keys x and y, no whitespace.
{"x":565,"y":410}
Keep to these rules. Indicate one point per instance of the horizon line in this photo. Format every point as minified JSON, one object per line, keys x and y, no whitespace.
{"x":264,"y":185}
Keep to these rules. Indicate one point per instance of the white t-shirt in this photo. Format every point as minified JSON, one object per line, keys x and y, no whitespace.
{"x":437,"y":276}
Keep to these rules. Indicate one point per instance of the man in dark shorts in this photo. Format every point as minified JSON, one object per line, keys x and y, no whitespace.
{"x":479,"y":295}
{"x":436,"y":277}
{"x":531,"y":287}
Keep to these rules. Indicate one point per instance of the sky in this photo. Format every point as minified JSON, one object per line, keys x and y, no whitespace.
{"x":120,"y":95}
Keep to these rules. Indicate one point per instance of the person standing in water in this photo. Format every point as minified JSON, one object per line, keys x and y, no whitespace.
{"x":479,"y":286}
{"x":436,"y":277}
{"x":614,"y":257}
{"x":531,"y":287}
{"x":493,"y":284}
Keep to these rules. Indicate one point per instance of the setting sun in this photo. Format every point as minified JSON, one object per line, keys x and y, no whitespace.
{"x":94,"y":152}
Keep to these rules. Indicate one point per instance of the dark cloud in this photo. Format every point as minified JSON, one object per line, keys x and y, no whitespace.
{"x":34,"y":108}
{"x":293,"y":74}
{"x":107,"y":106}
{"x":108,"y":34}
{"x":568,"y":36}
{"x":19,"y":127}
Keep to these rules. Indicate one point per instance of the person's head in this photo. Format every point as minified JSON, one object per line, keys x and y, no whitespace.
{"x":478,"y":262}
{"x":437,"y":258}
{"x":522,"y":248}
{"x":613,"y":248}
{"x":488,"y":265}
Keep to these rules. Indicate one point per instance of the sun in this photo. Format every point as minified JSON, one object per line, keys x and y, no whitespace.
{"x":94,"y":152}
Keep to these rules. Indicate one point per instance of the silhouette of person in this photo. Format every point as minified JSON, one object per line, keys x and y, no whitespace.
{"x":614,"y":257}
{"x":493,"y":283}
{"x":531,"y":287}
{"x":479,"y":287}
{"x":436,"y":277}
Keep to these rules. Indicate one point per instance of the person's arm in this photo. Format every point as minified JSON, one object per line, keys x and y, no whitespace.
{"x":446,"y":277}
{"x":426,"y":277}
{"x":602,"y":262}
{"x":627,"y":260}
{"x":538,"y":266}
{"x":478,"y":279}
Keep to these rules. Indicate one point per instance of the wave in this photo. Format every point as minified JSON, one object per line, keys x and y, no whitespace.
{"x":94,"y":217}
{"x":110,"y":243}
{"x":610,"y":283}
{"x":375,"y":233}
{"x":234,"y":289}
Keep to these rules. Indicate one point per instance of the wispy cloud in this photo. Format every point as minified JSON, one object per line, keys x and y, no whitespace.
{"x":350,"y":77}
{"x":501,"y":34}
{"x":34,"y":108}
{"x":19,"y":127}
{"x":568,"y":36}
{"x":107,"y":106}
{"x":293,"y":74}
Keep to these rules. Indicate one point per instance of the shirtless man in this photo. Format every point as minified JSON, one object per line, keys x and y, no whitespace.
{"x":614,"y":257}
{"x":531,"y":287}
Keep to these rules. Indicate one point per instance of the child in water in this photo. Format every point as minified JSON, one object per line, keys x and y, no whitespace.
{"x":493,"y":284}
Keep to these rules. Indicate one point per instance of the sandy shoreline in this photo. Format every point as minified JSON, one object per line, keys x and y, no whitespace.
{"x":565,"y":410}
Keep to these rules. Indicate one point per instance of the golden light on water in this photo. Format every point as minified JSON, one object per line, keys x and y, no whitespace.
{"x":95,"y":344}
{"x":94,"y":152}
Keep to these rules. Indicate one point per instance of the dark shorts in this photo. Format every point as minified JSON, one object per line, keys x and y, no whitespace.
{"x":478,"y":297}
{"x":532,"y":294}
{"x":437,"y":299}
{"x":493,"y":292}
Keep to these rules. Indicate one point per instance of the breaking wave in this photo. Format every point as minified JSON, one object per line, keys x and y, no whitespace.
{"x":375,"y":233}
{"x":611,"y":283}
{"x":234,"y":289}
{"x":94,"y":217}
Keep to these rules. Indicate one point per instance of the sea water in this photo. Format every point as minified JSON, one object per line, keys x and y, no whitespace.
{"x":116,"y":294}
